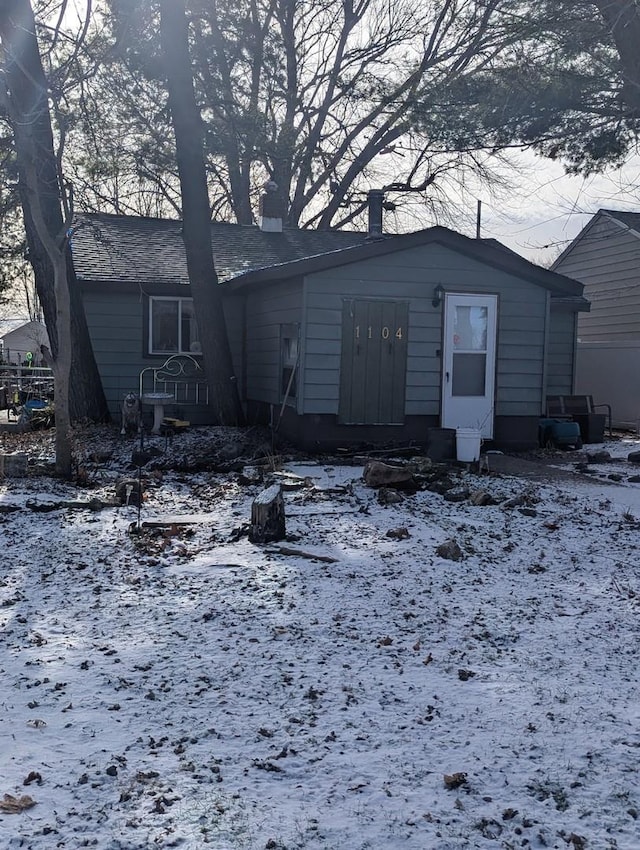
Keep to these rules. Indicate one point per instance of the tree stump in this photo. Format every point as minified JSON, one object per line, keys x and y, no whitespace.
{"x":267,"y":516}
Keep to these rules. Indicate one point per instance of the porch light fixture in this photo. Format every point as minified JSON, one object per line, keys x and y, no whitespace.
{"x":438,"y":292}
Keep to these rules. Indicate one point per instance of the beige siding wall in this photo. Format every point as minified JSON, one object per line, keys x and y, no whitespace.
{"x":607,"y":261}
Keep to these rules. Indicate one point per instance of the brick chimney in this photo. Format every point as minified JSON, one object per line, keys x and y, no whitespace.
{"x":271,"y":209}
{"x":375,"y":201}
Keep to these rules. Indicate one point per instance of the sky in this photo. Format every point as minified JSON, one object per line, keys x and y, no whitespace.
{"x":546,"y":208}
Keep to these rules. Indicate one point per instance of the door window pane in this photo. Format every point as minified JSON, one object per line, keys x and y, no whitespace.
{"x":470,"y":328}
{"x":469,"y":374}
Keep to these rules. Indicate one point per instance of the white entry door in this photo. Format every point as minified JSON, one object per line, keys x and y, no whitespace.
{"x":469,"y":361}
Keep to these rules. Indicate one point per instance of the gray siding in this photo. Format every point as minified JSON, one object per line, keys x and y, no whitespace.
{"x":266,"y":310}
{"x":561,"y":353}
{"x":606,"y":258}
{"x":412,"y":276}
{"x":117,"y":327}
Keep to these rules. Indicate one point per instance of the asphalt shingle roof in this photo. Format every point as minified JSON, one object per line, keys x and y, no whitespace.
{"x":127,"y":248}
{"x":114,"y":249}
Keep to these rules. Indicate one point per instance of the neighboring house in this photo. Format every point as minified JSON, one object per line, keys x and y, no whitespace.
{"x":341,"y":338}
{"x":21,"y":342}
{"x":605,"y":257}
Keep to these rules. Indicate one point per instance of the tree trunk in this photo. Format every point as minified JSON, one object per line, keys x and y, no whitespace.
{"x":268,"y":521}
{"x":207,"y":299}
{"x":27,"y":88}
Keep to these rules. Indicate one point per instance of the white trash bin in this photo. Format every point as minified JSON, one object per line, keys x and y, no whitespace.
{"x":468,"y":444}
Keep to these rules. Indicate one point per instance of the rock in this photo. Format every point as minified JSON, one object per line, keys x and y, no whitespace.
{"x":454,"y":780}
{"x":378,"y":474}
{"x":456,"y":494}
{"x":599,"y":457}
{"x":479,"y":498}
{"x":398,"y":533}
{"x":450,"y":551}
{"x":634,"y":479}
{"x":389,"y":497}
{"x":614,"y":476}
{"x":528,"y":511}
{"x":13,"y":465}
{"x":633,"y":457}
{"x":422,"y":465}
{"x":441,"y":485}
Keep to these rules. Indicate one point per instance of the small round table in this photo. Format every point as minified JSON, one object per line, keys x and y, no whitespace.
{"x":158,"y":400}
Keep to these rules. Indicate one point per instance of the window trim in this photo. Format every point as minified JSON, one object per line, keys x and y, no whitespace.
{"x":289,"y":332}
{"x":167,"y":352}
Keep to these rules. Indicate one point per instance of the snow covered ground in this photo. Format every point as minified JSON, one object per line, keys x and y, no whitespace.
{"x":186,"y":688}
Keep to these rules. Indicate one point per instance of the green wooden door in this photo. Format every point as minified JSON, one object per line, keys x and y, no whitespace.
{"x":374,"y":362}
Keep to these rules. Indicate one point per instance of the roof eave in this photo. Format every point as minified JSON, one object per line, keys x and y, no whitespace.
{"x":505,"y":260}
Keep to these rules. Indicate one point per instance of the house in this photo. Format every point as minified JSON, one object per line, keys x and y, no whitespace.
{"x":20,"y":342}
{"x":340,"y":338}
{"x":605,"y":257}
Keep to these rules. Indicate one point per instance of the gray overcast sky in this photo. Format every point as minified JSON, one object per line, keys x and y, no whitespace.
{"x":548,"y":208}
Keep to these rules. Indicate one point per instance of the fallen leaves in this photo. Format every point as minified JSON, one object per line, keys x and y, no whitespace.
{"x":10,"y":805}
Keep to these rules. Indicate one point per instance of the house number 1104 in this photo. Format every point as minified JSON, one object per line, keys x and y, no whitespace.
{"x":385,"y":332}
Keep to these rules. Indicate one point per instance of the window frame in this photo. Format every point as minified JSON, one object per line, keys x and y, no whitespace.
{"x":289,"y":333}
{"x":180,"y":300}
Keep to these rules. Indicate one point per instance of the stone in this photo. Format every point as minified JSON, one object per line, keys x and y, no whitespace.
{"x":457,"y":494}
{"x":633,"y":457}
{"x":386,"y":496}
{"x":479,"y":498}
{"x":599,"y":457}
{"x":401,"y":533}
{"x":450,"y":551}
{"x":377,"y":474}
{"x":13,"y":465}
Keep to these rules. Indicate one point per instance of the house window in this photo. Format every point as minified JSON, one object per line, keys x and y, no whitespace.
{"x":172,"y":326}
{"x":289,"y":352}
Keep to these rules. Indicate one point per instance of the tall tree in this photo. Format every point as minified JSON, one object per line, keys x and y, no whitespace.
{"x":27,"y":108}
{"x":188,"y":129}
{"x":23,"y":96}
{"x":318,"y":96}
{"x":331,"y":98}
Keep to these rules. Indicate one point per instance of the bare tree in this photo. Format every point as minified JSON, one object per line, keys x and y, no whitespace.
{"x":334,"y":97}
{"x":319,"y":97}
{"x":187,"y":125}
{"x":25,"y":91}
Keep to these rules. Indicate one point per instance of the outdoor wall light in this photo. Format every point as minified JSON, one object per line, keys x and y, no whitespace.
{"x":438,"y":292}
